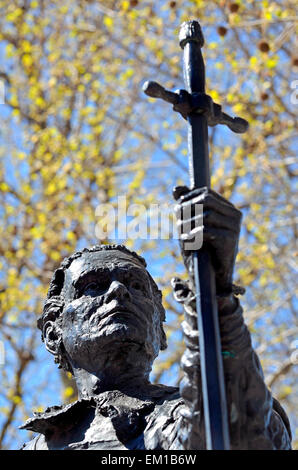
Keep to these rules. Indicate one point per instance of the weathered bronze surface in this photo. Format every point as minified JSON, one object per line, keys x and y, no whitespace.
{"x":200,"y":112}
{"x":103,"y":322}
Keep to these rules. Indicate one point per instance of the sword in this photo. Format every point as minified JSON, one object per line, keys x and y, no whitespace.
{"x":200,"y":111}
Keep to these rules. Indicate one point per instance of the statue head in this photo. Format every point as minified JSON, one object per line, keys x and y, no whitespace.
{"x":100,"y":299}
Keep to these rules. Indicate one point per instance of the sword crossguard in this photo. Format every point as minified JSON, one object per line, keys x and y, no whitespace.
{"x":186,"y":103}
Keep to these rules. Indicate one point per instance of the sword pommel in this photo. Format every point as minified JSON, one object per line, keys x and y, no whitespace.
{"x":194,"y":100}
{"x":191,"y":31}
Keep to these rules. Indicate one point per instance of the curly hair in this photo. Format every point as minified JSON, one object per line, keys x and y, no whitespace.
{"x":55,"y":301}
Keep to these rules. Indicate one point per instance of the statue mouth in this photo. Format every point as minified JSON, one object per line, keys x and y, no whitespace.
{"x":101,"y":315}
{"x":117,"y":310}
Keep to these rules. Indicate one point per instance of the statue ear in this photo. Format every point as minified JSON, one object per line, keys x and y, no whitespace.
{"x":52,"y":337}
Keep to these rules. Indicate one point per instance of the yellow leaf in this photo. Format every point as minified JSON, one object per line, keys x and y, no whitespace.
{"x":4,"y":186}
{"x":40,"y":102}
{"x":125,"y":5}
{"x":14,"y":14}
{"x":55,"y":255}
{"x":272,"y":62}
{"x":27,"y":60}
{"x":213,"y":45}
{"x":253,"y":61}
{"x":108,"y":21}
{"x":214,"y":95}
{"x":219,"y":65}
{"x":38,"y":409}
{"x":286,"y":390}
{"x":68,"y":392}
{"x":10,"y":49}
{"x":238,"y":108}
{"x":64,"y":9}
{"x":16,"y":399}
{"x":71,"y":236}
{"x":26,"y":46}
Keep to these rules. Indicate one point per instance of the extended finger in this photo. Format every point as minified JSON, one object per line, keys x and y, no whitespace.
{"x":191,"y":193}
{"x":188,"y":236}
{"x":206,"y":192}
{"x":209,"y":202}
{"x":216,"y":220}
{"x":226,"y":237}
{"x":207,"y":218}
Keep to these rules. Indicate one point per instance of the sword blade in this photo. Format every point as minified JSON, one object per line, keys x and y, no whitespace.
{"x":212,"y":375}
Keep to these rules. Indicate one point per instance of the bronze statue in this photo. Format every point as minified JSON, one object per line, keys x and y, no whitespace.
{"x":103,"y":322}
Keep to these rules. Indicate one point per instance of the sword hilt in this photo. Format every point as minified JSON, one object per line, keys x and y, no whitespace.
{"x":186,"y":103}
{"x":191,"y":40}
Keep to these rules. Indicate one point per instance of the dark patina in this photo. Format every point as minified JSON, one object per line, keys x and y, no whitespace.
{"x":103,"y":322}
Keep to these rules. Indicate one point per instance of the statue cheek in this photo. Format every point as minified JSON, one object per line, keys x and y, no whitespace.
{"x":73,"y":313}
{"x":73,"y":326}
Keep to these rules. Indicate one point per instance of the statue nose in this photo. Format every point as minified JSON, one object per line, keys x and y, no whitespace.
{"x":117,"y":290}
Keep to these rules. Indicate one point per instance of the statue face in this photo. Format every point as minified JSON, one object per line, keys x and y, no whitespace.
{"x":108,"y":302}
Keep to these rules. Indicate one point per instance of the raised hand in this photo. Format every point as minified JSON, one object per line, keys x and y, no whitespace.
{"x":219,"y":222}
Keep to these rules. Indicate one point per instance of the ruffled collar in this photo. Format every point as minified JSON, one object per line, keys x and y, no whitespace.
{"x":64,"y":416}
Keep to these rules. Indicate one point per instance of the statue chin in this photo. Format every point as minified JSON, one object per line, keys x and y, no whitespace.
{"x":115,"y":332}
{"x":110,"y":335}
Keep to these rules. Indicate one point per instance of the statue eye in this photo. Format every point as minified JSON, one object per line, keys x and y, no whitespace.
{"x":90,"y":286}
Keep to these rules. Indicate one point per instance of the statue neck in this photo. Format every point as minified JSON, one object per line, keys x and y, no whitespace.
{"x":114,"y":370}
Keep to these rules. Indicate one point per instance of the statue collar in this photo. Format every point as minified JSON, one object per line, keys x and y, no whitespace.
{"x":64,"y":416}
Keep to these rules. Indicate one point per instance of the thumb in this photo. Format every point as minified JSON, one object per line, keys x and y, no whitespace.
{"x":179,"y":191}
